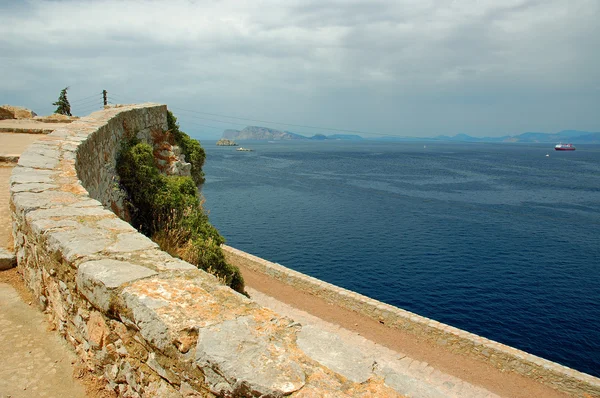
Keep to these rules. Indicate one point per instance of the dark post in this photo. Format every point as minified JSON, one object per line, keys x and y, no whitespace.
{"x":104,"y":96}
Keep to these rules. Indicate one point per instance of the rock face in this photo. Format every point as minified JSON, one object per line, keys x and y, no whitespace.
{"x":16,"y":112}
{"x":260,"y":133}
{"x":226,"y":142}
{"x":170,"y":160}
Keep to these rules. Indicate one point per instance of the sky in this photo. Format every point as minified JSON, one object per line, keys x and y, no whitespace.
{"x":416,"y":68}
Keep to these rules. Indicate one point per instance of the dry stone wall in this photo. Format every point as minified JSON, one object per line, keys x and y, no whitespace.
{"x":152,"y":325}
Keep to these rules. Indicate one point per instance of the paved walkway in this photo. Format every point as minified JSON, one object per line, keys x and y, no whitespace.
{"x":34,"y":362}
{"x":413,"y":378}
{"x":28,"y":126}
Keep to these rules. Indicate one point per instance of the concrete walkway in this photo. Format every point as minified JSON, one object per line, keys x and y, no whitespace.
{"x":35,"y":362}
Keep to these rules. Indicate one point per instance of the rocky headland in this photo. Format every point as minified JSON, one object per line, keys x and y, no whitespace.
{"x":258,"y":133}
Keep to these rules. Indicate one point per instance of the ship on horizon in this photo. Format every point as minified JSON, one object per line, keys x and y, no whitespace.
{"x":564,"y":147}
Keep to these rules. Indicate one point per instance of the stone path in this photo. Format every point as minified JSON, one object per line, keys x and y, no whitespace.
{"x":34,"y":362}
{"x":411,"y":377}
{"x":28,"y":126}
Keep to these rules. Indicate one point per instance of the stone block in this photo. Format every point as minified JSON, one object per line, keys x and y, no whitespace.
{"x":77,"y":242}
{"x":24,"y":175}
{"x":7,"y":259}
{"x":129,"y":242}
{"x":242,"y":357}
{"x":97,"y":280}
{"x":16,"y":112}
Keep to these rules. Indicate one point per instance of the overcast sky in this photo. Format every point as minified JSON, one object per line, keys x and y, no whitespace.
{"x":408,"y":68}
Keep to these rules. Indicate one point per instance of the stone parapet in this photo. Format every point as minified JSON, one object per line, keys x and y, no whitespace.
{"x":503,"y":357}
{"x":152,"y":325}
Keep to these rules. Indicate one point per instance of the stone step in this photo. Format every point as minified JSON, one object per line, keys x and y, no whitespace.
{"x":9,"y":158}
{"x":8,"y":259}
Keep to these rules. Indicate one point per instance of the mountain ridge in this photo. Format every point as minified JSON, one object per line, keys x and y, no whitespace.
{"x":258,"y":133}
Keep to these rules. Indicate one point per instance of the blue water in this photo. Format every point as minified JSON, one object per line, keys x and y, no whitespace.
{"x":496,"y":239}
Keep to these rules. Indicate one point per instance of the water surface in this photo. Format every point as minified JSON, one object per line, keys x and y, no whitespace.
{"x":497,"y":239}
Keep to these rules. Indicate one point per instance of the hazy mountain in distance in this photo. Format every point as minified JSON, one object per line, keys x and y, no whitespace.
{"x":263,"y":133}
{"x":573,"y":136}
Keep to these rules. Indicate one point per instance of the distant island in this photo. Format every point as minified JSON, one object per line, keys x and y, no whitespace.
{"x":258,"y":133}
{"x":266,"y":134}
{"x":575,"y":136}
{"x":226,"y":142}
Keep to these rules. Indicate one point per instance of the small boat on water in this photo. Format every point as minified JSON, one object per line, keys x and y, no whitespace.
{"x":242,"y":149}
{"x":564,"y":147}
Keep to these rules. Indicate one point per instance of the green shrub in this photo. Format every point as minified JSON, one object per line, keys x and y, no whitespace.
{"x":193,"y":151}
{"x":168,"y":209}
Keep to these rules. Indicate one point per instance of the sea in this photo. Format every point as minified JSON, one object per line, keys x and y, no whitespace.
{"x":501,"y":240}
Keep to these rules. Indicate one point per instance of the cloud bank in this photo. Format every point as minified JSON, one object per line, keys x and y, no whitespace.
{"x":412,"y":67}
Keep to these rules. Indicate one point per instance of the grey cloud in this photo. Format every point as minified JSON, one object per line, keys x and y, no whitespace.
{"x":427,"y":67}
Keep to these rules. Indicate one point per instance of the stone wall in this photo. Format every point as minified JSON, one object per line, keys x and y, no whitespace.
{"x":503,"y":357}
{"x":150,"y":324}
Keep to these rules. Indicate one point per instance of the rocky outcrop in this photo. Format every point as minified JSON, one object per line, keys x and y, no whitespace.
{"x":170,"y":160}
{"x":16,"y":112}
{"x":260,"y":133}
{"x":226,"y":142}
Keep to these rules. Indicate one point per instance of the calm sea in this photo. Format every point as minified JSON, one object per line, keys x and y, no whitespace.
{"x":497,"y":239}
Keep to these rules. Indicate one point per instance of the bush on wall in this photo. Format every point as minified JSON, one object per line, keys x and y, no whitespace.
{"x":168,"y":209}
{"x":193,"y":151}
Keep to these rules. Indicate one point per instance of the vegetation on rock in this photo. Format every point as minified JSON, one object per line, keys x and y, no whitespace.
{"x":226,"y":142}
{"x":169,"y":209}
{"x":193,"y":151}
{"x":63,"y":106}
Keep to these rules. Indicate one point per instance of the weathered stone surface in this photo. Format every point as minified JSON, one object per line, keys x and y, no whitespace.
{"x":129,"y":242}
{"x":115,"y":224}
{"x":56,"y":118}
{"x":27,"y":201}
{"x":5,"y":114}
{"x":161,"y":389}
{"x":17,"y":112}
{"x":329,"y":350}
{"x":97,"y":280}
{"x":62,"y":212}
{"x":168,"y":311}
{"x":162,"y":372}
{"x":36,"y":161}
{"x":245,"y":359}
{"x":34,"y":187}
{"x":97,"y":330}
{"x":78,"y":242}
{"x":24,"y":175}
{"x":7,"y":259}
